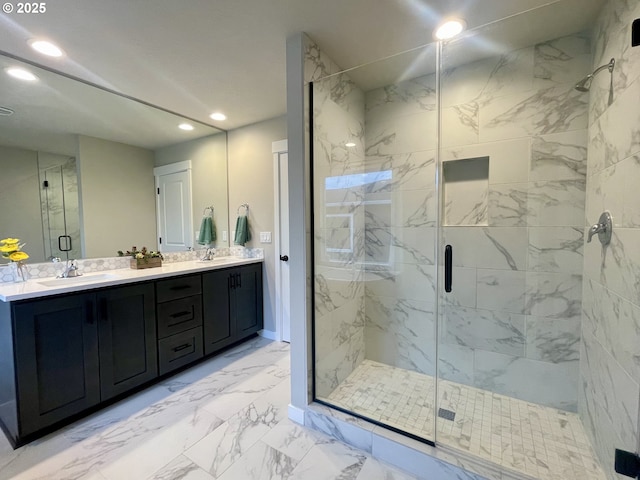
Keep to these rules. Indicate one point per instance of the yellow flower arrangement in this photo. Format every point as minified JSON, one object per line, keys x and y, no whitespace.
{"x":11,"y":248}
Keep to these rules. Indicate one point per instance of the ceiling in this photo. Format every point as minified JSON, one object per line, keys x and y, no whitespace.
{"x":201,"y":56}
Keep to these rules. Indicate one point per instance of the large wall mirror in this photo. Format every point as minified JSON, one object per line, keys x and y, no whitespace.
{"x":77,"y":167}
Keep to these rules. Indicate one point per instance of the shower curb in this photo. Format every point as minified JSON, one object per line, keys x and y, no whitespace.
{"x":412,"y":456}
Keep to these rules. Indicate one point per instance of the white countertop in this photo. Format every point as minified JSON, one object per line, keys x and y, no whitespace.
{"x":33,"y":288}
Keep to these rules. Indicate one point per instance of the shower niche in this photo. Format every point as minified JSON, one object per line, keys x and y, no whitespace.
{"x":466,"y":191}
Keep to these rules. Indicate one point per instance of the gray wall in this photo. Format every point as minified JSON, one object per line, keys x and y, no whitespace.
{"x":251,"y":181}
{"x":208,"y":157}
{"x":117,"y":197}
{"x":610,"y":349}
{"x":20,"y":215}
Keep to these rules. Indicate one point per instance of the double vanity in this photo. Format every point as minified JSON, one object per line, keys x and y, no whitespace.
{"x":69,"y":345}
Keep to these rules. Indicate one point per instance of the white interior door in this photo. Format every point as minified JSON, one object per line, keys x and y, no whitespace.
{"x":281,"y":159}
{"x":173,"y":183}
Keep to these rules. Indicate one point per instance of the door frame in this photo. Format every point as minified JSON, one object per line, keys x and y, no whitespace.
{"x":277,"y":148}
{"x":169,"y":169}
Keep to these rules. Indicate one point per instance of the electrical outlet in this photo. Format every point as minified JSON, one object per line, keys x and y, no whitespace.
{"x":224,"y":236}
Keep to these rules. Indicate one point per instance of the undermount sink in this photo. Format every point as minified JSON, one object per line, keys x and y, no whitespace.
{"x":88,"y":278}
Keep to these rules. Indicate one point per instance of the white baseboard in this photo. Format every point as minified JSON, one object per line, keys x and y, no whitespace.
{"x":268,"y":334}
{"x":296,"y":414}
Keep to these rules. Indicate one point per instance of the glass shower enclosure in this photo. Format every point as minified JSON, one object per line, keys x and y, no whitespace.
{"x":479,"y":146}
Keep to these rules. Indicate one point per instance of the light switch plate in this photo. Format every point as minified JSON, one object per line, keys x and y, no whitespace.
{"x":224,"y":235}
{"x":265,"y":237}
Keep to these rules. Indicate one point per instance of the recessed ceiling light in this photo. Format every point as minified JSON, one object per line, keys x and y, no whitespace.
{"x":21,"y":73}
{"x":185,"y":126}
{"x":218,"y":116}
{"x":46,"y":48}
{"x":449,"y":28}
{"x":5,"y":111}
{"x":350,"y":144}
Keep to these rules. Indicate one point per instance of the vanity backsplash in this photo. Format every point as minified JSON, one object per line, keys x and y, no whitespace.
{"x":90,"y":265}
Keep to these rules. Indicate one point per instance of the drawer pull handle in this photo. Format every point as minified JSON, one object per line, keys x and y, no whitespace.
{"x":179,"y":314}
{"x":180,"y":287}
{"x":181,"y":347}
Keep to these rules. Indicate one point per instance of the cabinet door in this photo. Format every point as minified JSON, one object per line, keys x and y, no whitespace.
{"x":56,"y":350}
{"x":247,"y":304}
{"x":127,"y":338}
{"x":217,"y":324}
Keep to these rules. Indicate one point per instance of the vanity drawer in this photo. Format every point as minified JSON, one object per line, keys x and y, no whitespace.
{"x":179,"y":315}
{"x":178,"y":288}
{"x":179,"y":350}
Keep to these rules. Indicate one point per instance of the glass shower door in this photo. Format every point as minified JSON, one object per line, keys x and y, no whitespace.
{"x":375,"y":208}
{"x":513,"y":161}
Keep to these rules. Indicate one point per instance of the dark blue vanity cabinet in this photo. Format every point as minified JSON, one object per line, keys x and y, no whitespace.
{"x":61,"y":356}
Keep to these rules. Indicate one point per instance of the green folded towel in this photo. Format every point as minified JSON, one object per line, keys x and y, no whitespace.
{"x":207,"y":231}
{"x":242,"y":231}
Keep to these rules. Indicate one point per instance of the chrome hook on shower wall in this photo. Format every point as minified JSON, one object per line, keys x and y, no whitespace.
{"x":604,"y":229}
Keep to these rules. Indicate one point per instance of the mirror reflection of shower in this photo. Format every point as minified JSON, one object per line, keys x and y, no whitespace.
{"x":59,"y":206}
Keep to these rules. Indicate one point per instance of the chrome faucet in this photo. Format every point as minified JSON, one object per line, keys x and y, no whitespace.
{"x":596,"y":228}
{"x":70,"y":270}
{"x":208,"y":254}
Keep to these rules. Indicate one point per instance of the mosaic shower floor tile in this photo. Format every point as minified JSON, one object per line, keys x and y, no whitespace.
{"x":539,"y":441}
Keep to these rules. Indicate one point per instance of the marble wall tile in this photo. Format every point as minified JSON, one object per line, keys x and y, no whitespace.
{"x":501,"y":290}
{"x":461,"y":239}
{"x":460,"y":124}
{"x":556,"y":203}
{"x":501,"y":248}
{"x":508,"y":160}
{"x":610,"y":388}
{"x":553,"y":340}
{"x":555,"y":249}
{"x":615,"y":323}
{"x":508,"y":206}
{"x":554,"y":385}
{"x":512,"y":74}
{"x":402,"y":280}
{"x":334,"y":124}
{"x":401,"y":333}
{"x":494,"y":331}
{"x":408,"y":97}
{"x":559,"y":156}
{"x":335,"y":287}
{"x":617,"y":267}
{"x":414,"y":208}
{"x":527,"y":114}
{"x":463,"y":287}
{"x":630,"y":172}
{"x":400,"y":244}
{"x":556,"y":295}
{"x":409,"y":171}
{"x":558,"y":60}
{"x":455,"y":363}
{"x":337,"y":365}
{"x":402,"y":134}
{"x":610,"y":145}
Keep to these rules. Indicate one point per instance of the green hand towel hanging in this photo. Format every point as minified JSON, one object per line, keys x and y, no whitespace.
{"x":207,"y":231}
{"x":242,"y":231}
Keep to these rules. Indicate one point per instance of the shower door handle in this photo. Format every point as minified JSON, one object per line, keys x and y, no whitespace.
{"x":448,"y":264}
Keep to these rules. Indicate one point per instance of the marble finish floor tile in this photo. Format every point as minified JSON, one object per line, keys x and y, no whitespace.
{"x":539,"y":441}
{"x":224,"y":418}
